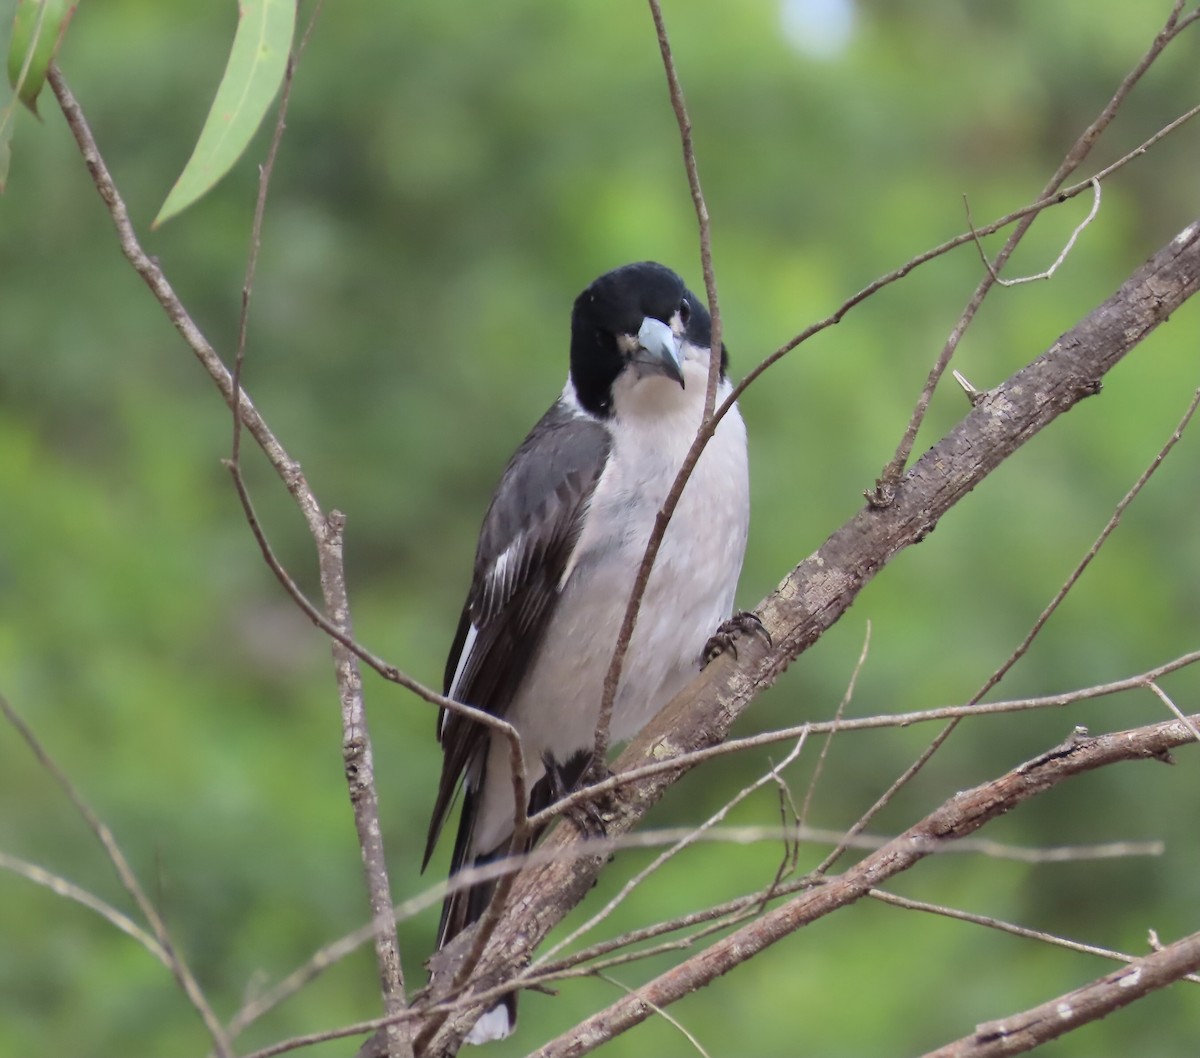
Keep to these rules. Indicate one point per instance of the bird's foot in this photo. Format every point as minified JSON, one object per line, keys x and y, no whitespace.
{"x":587,"y":816}
{"x":745,"y":622}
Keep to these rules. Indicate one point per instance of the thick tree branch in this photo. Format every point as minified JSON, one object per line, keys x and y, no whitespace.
{"x":818,"y":591}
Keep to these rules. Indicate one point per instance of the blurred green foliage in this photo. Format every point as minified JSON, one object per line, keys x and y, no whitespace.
{"x":452,"y":175}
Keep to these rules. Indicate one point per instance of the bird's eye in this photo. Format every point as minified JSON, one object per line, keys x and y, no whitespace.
{"x":685,"y":310}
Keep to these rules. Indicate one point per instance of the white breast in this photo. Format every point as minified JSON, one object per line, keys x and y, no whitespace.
{"x":690,"y":591}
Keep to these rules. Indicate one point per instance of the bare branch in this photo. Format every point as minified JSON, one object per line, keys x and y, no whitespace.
{"x":1163,"y":697}
{"x":1022,"y":1032}
{"x":1074,"y":158}
{"x":326,"y":533}
{"x":661,"y":1013}
{"x":70,"y":891}
{"x":1007,"y":927}
{"x":1095,"y":182}
{"x":1039,"y":624}
{"x":963,"y":814}
{"x":866,"y":723}
{"x":612,"y":677}
{"x":174,"y":960}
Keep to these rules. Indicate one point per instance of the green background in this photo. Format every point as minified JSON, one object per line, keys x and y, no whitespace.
{"x":452,"y":175}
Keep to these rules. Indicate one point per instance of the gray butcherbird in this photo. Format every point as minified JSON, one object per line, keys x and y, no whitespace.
{"x":558,"y":552}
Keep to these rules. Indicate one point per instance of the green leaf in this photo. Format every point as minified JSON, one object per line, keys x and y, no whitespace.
{"x":38,"y":30}
{"x":256,"y":67}
{"x":8,"y":102}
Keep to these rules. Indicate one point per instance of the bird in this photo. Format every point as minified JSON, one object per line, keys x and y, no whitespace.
{"x":558,"y":551}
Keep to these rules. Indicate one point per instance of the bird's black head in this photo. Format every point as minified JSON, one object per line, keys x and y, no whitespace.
{"x":634,"y":318}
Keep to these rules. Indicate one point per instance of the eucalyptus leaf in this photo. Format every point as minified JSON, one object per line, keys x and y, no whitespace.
{"x":38,"y":30}
{"x":256,"y":67}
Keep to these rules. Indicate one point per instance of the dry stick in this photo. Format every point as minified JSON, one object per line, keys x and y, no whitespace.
{"x":287,"y":468}
{"x":1001,"y":926}
{"x":1074,"y":158}
{"x":670,"y":1019}
{"x":1046,"y":273}
{"x":963,"y":814}
{"x":174,"y":960}
{"x":1166,"y":700}
{"x":357,"y":757}
{"x":1022,"y":1032}
{"x":703,"y":223}
{"x":1038,"y":625}
{"x":818,"y":591}
{"x":612,"y":677}
{"x":70,"y":891}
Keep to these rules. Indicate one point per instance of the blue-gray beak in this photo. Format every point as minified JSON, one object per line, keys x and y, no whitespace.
{"x":658,"y":350}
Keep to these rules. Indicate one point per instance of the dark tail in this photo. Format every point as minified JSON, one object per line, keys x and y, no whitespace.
{"x":463,"y":907}
{"x":466,"y":906}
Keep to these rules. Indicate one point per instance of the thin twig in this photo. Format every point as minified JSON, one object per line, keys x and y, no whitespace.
{"x":1175,"y":710}
{"x":174,"y":960}
{"x":670,"y":1019}
{"x":836,"y":723}
{"x":1049,"y":272}
{"x":70,"y":891}
{"x":612,"y":677}
{"x":1007,"y":927}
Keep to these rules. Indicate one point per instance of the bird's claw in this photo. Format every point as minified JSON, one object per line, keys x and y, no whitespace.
{"x":744,"y":622}
{"x":587,"y":816}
